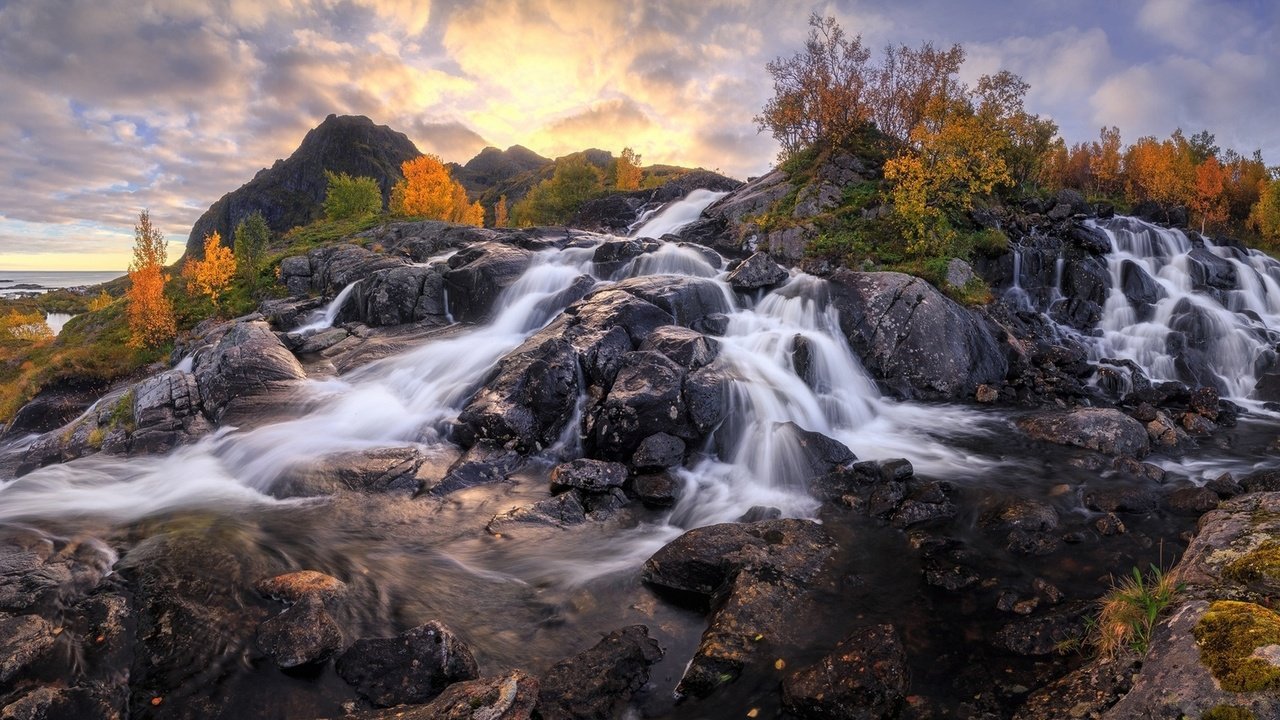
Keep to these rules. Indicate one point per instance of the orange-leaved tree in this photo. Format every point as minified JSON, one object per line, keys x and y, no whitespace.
{"x":213,"y":274}
{"x":150,"y":314}
{"x":626,"y":170}
{"x":428,"y":191}
{"x":1208,"y":199}
{"x":501,"y":216}
{"x":101,"y":301}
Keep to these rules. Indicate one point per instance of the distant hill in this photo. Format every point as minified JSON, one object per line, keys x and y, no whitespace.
{"x":493,"y":167}
{"x":291,"y":191}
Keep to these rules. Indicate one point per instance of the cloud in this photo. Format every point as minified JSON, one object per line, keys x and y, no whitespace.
{"x":448,"y":139}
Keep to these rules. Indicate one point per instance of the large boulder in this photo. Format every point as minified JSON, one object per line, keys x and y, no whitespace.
{"x":863,"y":678}
{"x":245,"y":367}
{"x":758,"y":577}
{"x":1103,"y":429}
{"x":513,"y":696}
{"x":597,"y":683}
{"x":479,"y":274}
{"x":413,"y":667}
{"x":531,"y":396}
{"x":646,"y":398}
{"x":756,"y":272}
{"x":398,"y":295}
{"x":914,"y":339}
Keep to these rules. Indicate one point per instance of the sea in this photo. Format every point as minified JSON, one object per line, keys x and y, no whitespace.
{"x":33,"y":282}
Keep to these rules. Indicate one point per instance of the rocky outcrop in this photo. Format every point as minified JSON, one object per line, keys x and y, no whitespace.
{"x":513,"y":696}
{"x":1105,"y":430}
{"x":758,"y":576}
{"x":599,"y":681}
{"x":863,"y":678}
{"x":616,"y":212}
{"x":244,"y":370}
{"x":913,"y":339}
{"x":411,"y":668}
{"x":291,"y":192}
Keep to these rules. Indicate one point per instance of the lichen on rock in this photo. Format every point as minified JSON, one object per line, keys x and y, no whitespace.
{"x":1229,"y":635}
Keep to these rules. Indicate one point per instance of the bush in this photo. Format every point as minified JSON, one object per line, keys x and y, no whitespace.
{"x":351,"y":197}
{"x":1128,"y":613}
{"x":252,"y":239}
{"x":553,"y":200}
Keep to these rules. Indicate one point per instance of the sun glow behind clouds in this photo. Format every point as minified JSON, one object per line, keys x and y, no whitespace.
{"x":111,"y":106}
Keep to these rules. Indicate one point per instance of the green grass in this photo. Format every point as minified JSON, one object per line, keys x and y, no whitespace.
{"x":1128,"y":613}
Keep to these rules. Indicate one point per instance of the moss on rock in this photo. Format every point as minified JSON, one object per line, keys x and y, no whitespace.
{"x":1258,"y":569}
{"x":1228,"y":634}
{"x":1228,"y":712}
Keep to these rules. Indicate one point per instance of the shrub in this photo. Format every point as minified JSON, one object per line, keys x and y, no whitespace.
{"x":351,"y":197}
{"x":1129,"y":611}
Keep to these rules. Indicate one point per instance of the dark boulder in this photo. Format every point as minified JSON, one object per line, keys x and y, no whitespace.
{"x":303,"y":634}
{"x":687,"y":299}
{"x":1139,"y":288}
{"x":530,"y":398}
{"x":660,"y":490}
{"x":588,"y":475}
{"x":1120,"y":499}
{"x":1090,"y":239}
{"x":914,"y":339}
{"x":597,"y":683}
{"x":413,"y":667}
{"x":863,"y":678}
{"x":399,"y":295}
{"x":646,"y":398}
{"x":1021,"y":514}
{"x":479,"y":274}
{"x":611,"y":256}
{"x":560,"y":511}
{"x":759,"y":576}
{"x":483,"y":463}
{"x":658,"y":451}
{"x":1207,"y":271}
{"x":1193,"y":500}
{"x":688,"y":348}
{"x":1105,"y":430}
{"x":24,"y":641}
{"x":513,"y":696}
{"x":756,"y":272}
{"x":247,"y":366}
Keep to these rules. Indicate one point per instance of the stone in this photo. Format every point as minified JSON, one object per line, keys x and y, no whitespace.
{"x":756,"y":272}
{"x":513,"y":696}
{"x":297,"y":586}
{"x":599,"y":682}
{"x":247,"y":365}
{"x":1109,"y":524}
{"x":687,"y":348}
{"x":478,"y":274}
{"x":1021,"y":514}
{"x":587,"y":474}
{"x":411,"y":668}
{"x":1120,"y":499}
{"x":1105,"y":430}
{"x":24,"y":641}
{"x":863,"y":678}
{"x":303,"y":634}
{"x":960,"y":273}
{"x":658,"y":451}
{"x":660,"y":490}
{"x":1193,"y":500}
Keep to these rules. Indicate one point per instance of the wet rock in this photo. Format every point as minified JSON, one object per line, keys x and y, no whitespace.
{"x":52,"y":703}
{"x":756,"y":272}
{"x":1021,"y":514}
{"x":863,"y":678}
{"x":38,"y":575}
{"x":483,"y":463}
{"x":478,"y":274}
{"x":1210,"y":271}
{"x":1085,"y":693}
{"x":1225,"y":486}
{"x":688,"y":348}
{"x":613,"y":255}
{"x":1042,"y":635}
{"x":243,"y":369}
{"x":660,"y":490}
{"x":1109,"y":524}
{"x":1146,"y":471}
{"x":399,"y":295}
{"x":51,"y":408}
{"x":303,"y":634}
{"x":1193,"y":500}
{"x":1120,"y":499}
{"x":530,"y":398}
{"x":24,"y":641}
{"x":914,"y":339}
{"x":513,"y":696}
{"x":913,"y":512}
{"x":1205,"y":401}
{"x":598,"y":682}
{"x":1105,"y":430}
{"x":1138,"y":287}
{"x":316,"y":342}
{"x":715,"y":324}
{"x":948,"y":564}
{"x":587,"y":474}
{"x":819,"y":454}
{"x":687,"y":299}
{"x":562,"y":510}
{"x":1261,"y":481}
{"x":377,"y":470}
{"x":760,"y":573}
{"x":1090,"y":239}
{"x":646,"y":398}
{"x":986,"y":394}
{"x":1032,"y":542}
{"x":411,"y":668}
{"x":658,"y":451}
{"x":757,"y":513}
{"x":297,"y":586}
{"x":1163,"y":433}
{"x":706,"y":397}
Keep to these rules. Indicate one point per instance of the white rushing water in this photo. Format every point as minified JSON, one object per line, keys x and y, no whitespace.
{"x":675,"y":216}
{"x":1230,"y":334}
{"x":324,"y":318}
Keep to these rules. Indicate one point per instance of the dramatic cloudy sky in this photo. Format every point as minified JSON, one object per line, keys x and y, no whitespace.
{"x":109,"y":106}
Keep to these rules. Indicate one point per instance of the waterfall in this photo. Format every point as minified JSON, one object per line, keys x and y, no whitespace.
{"x":1199,"y":314}
{"x":323,"y":319}
{"x":678,"y":214}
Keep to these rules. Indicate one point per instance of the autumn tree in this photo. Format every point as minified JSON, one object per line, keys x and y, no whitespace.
{"x":101,"y":301}
{"x":150,"y":314}
{"x":955,"y":154}
{"x":1105,"y":162}
{"x":908,"y":81}
{"x":252,"y":239}
{"x":213,"y":274}
{"x":1265,"y":216}
{"x":1208,"y":199}
{"x":349,"y":197}
{"x":999,"y":104}
{"x":1245,"y":176}
{"x":1154,"y":171}
{"x":26,"y":327}
{"x":819,"y":94}
{"x":626,"y":170}
{"x":553,"y":200}
{"x":501,"y":217}
{"x":428,"y":191}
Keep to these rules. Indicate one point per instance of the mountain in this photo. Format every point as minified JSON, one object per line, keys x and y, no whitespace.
{"x":493,"y":167}
{"x":291,"y":191}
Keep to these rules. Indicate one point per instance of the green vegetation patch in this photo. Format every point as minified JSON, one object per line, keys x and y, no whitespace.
{"x":1259,"y":568}
{"x":1228,"y":634}
{"x":1228,"y":712}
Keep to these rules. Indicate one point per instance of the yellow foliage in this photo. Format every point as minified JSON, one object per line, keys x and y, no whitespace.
{"x":101,"y":302}
{"x":626,"y":171}
{"x":150,"y":314}
{"x":501,"y":217}
{"x":26,"y":327}
{"x":428,"y":191}
{"x":1208,"y":199}
{"x":213,"y":274}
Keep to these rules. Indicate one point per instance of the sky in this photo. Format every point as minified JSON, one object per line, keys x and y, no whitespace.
{"x":111,"y":106}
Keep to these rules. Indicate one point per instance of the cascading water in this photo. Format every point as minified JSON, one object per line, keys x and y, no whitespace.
{"x":324,"y":319}
{"x":678,"y":214}
{"x":1200,"y":314}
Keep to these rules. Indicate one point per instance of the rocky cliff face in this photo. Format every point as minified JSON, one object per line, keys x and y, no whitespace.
{"x":291,"y":191}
